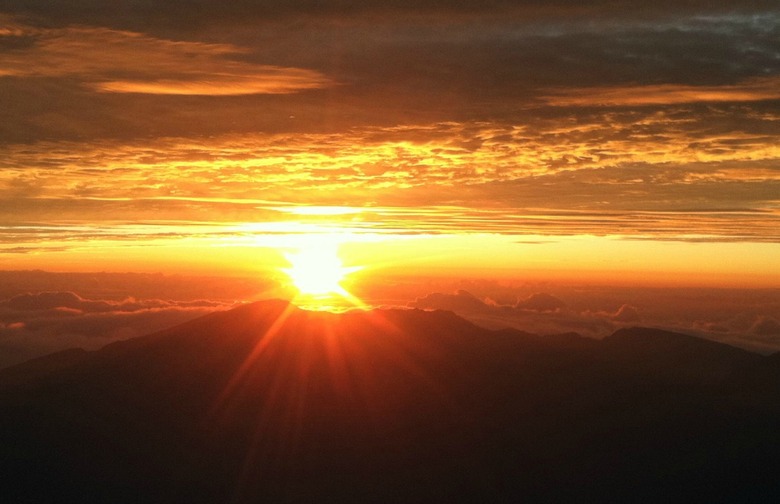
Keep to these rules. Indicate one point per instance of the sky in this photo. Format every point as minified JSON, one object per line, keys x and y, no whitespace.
{"x":626,"y":142}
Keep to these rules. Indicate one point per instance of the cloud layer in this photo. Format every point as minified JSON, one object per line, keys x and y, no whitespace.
{"x":36,"y":324}
{"x":149,"y":124}
{"x":43,"y":312}
{"x":741,"y":318}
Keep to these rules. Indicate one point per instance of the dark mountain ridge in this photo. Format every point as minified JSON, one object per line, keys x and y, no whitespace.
{"x":267,"y":402}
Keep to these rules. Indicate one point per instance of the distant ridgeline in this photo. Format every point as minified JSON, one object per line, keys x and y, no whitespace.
{"x":269,"y":403}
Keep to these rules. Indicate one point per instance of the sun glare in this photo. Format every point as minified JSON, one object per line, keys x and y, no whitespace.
{"x":317,"y":271}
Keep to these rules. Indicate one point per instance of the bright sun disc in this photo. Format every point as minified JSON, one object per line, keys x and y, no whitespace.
{"x":317,"y":270}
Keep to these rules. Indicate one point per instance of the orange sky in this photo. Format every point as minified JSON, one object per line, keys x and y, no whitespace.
{"x":506,"y":141}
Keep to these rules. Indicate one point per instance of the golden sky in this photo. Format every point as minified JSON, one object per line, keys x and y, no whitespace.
{"x":507,"y":139}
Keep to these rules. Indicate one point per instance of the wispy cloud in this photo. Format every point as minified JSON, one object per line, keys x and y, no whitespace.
{"x":632,"y":174}
{"x":756,"y":89}
{"x":265,"y":80}
{"x":664,"y":148}
{"x":127,"y":62}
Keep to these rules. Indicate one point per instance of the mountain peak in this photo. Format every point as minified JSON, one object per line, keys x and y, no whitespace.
{"x":647,"y":338}
{"x":268,"y":402}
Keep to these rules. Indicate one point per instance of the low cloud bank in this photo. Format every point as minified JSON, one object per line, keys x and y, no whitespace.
{"x":545,"y":313}
{"x":35,"y":324}
{"x":540,"y":313}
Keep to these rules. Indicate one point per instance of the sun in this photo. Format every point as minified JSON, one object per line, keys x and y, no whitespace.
{"x":317,"y":270}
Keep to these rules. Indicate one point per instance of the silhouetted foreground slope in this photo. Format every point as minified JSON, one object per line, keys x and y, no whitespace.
{"x":268,"y":403}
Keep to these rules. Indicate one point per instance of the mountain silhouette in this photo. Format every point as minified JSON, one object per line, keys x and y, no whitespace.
{"x":270,"y":403}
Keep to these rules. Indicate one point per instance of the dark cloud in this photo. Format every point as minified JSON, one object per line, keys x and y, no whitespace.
{"x":450,"y":69}
{"x":199,"y":12}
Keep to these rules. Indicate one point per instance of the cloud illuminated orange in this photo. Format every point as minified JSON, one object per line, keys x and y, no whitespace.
{"x":150,"y":65}
{"x":267,"y":80}
{"x":756,"y":89}
{"x":150,"y":134}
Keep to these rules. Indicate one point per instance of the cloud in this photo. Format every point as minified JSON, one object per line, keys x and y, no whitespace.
{"x":35,"y":324}
{"x":152,"y":289}
{"x":461,"y":301}
{"x":71,"y":300}
{"x":149,"y":65}
{"x":541,"y":302}
{"x":627,"y":314}
{"x":756,"y":89}
{"x":43,"y":312}
{"x":766,"y":326}
{"x":539,"y":313}
{"x":197,"y":13}
{"x":445,"y":118}
{"x":727,"y":315}
{"x":270,"y":80}
{"x":637,"y":174}
{"x":52,"y":300}
{"x":390,"y":70}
